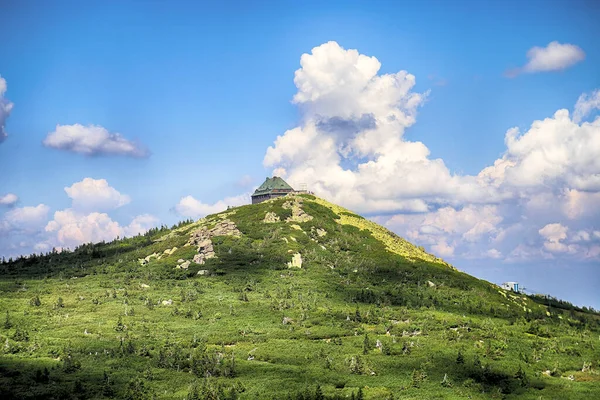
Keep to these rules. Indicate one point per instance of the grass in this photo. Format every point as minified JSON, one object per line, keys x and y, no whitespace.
{"x":224,"y":336}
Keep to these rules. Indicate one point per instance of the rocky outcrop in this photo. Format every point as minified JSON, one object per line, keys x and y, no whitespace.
{"x":168,"y":252}
{"x":271,"y":217}
{"x":202,"y":239}
{"x":298,"y":214}
{"x":296,"y":261}
{"x":146,"y":260}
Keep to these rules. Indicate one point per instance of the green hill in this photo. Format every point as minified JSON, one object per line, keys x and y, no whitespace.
{"x":290,"y":298}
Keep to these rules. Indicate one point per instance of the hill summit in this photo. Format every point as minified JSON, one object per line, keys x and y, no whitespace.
{"x":293,"y":297}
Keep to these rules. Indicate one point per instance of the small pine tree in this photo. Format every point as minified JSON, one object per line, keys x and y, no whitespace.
{"x":35,"y":301}
{"x":357,"y":317}
{"x":460,"y":359}
{"x":319,"y":393}
{"x":59,"y":303}
{"x":120,"y":326}
{"x":521,"y":376}
{"x":366,"y":344}
{"x":360,"y":395}
{"x":7,"y":321}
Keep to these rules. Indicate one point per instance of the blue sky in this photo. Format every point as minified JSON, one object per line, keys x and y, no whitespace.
{"x":201,"y":90}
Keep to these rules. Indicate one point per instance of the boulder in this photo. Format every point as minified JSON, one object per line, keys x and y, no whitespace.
{"x":287,"y":320}
{"x":203,"y":272}
{"x":270,"y":218}
{"x":167,"y":302}
{"x":184,"y":265}
{"x":296,"y":261}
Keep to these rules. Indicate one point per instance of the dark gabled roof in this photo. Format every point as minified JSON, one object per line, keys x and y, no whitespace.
{"x":271,"y":184}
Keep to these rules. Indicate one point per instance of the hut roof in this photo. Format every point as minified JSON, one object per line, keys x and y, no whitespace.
{"x":272,"y":184}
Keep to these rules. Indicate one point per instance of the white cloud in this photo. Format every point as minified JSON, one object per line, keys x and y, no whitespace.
{"x":140,"y":225}
{"x":443,"y":249}
{"x":350,"y":148}
{"x":190,"y":207}
{"x":554,"y":235}
{"x":95,"y":194}
{"x":70,"y":228}
{"x":92,"y":140}
{"x":586,"y":103}
{"x":25,"y":218}
{"x":553,"y":152}
{"x":581,"y":236}
{"x":5,"y":109}
{"x":578,"y":204}
{"x":8,"y":199}
{"x":554,"y":57}
{"x":448,"y":229}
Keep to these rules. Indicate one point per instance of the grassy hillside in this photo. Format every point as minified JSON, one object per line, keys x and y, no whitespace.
{"x":296,"y":298}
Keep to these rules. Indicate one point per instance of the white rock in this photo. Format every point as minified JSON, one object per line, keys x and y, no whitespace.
{"x":296,"y":261}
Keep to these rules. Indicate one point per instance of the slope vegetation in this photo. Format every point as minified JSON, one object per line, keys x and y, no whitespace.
{"x":291,"y":298}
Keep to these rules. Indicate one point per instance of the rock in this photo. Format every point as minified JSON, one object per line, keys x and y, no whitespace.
{"x":321,"y":232}
{"x":298,"y":214}
{"x":180,"y":260}
{"x":378,"y":344}
{"x":167,"y":302}
{"x":201,"y":238}
{"x":203,"y":272}
{"x":144,"y":286}
{"x":285,"y":240}
{"x":293,"y":238}
{"x":296,"y":261}
{"x":271,"y":217}
{"x":170,"y":251}
{"x":297,"y":227}
{"x":323,"y":247}
{"x":287,"y":320}
{"x":431,"y":284}
{"x":184,"y":265}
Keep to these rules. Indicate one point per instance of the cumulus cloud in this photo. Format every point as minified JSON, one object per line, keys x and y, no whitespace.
{"x":95,"y":194}
{"x":448,"y":229}
{"x":554,"y":57}
{"x":190,"y":207}
{"x":25,"y":219}
{"x":27,"y":229}
{"x":5,"y":109}
{"x":350,"y":148}
{"x":71,"y":228}
{"x":586,"y":103}
{"x":92,"y":140}
{"x":555,"y":151}
{"x":8,"y":199}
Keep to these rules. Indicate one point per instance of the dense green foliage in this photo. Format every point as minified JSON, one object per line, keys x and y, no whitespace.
{"x":356,"y":321}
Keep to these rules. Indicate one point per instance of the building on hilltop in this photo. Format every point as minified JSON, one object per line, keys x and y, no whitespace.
{"x":514,"y":286}
{"x":271,"y":188}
